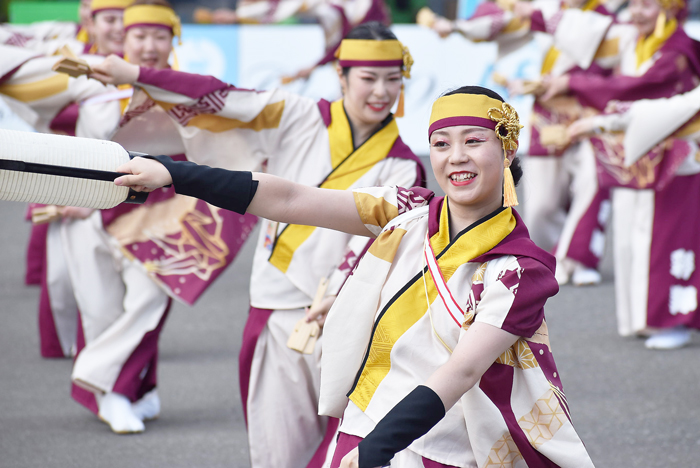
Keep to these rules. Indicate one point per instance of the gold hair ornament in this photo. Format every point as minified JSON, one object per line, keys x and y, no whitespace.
{"x":507,"y":130}
{"x":407,"y":61}
{"x":406,"y":73}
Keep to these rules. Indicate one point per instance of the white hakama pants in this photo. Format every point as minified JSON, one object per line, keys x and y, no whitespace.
{"x":565,"y":209}
{"x":632,"y":235}
{"x":284,"y":428}
{"x":119,"y":304}
{"x":63,"y":307}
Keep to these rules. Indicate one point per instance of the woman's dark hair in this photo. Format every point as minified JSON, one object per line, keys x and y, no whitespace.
{"x":515,"y":167}
{"x":373,"y":31}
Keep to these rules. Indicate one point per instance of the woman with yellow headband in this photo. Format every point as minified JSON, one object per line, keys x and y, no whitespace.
{"x":55,"y":102}
{"x":122,"y":298}
{"x":348,"y":143}
{"x":436,"y":351}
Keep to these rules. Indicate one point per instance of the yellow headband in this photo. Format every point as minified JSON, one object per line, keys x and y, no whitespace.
{"x":152,"y":15}
{"x":100,"y":5}
{"x":373,"y":53}
{"x":462,"y":109}
{"x":482,"y":111}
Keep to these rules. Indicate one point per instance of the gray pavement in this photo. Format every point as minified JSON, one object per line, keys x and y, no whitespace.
{"x":632,"y":407}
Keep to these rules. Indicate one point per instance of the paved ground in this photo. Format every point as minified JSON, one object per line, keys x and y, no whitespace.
{"x":632,"y":407}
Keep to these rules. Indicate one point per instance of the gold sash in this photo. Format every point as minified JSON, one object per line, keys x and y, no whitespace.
{"x":406,"y":309}
{"x":348,"y":164}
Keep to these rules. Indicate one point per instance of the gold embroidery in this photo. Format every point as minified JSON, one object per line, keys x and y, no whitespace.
{"x":519,"y":355}
{"x":544,"y":421}
{"x":504,"y":453}
{"x":478,"y":276}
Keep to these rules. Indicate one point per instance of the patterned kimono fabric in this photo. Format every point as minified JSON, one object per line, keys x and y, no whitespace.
{"x":654,"y":260}
{"x":48,"y":101}
{"x":407,"y":305}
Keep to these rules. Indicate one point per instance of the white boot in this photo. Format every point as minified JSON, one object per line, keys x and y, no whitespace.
{"x":148,"y":407}
{"x":584,"y":276}
{"x":115,"y":410}
{"x":672,"y":338}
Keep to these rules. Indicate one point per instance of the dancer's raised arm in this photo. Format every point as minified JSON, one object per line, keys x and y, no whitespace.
{"x":263,"y":195}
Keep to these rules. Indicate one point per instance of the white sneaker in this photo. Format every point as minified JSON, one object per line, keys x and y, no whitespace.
{"x":672,"y":338}
{"x":116,"y":411}
{"x":584,"y":276}
{"x":148,"y":407}
{"x":563,"y":271}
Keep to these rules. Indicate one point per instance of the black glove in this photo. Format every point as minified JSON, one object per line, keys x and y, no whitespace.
{"x":230,"y":190}
{"x":410,"y":419}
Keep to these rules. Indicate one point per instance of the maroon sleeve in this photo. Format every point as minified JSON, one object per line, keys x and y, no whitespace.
{"x":537,"y":22}
{"x":665,"y":78}
{"x":188,"y":84}
{"x":531,"y":285}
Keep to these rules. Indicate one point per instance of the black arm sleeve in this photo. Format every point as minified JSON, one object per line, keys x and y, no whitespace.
{"x":410,"y":419}
{"x":231,"y":190}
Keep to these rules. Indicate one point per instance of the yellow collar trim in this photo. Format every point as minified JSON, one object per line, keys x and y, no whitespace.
{"x":648,"y":46}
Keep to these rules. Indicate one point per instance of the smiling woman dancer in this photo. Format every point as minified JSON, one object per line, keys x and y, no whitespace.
{"x":447,"y":306}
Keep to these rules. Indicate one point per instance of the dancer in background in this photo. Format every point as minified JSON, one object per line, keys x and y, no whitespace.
{"x":126,"y":262}
{"x":439,"y":336}
{"x":651,"y":167}
{"x":55,"y":102}
{"x":655,"y":59}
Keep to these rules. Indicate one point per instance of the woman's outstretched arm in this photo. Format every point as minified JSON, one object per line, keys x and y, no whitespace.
{"x":260,"y":194}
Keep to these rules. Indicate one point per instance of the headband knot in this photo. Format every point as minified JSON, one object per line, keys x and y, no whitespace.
{"x":507,"y":125}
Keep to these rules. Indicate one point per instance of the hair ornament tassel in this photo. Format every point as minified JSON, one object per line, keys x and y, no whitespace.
{"x":510,"y":197}
{"x":508,"y":131}
{"x":399,"y":107}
